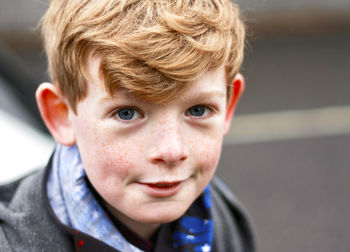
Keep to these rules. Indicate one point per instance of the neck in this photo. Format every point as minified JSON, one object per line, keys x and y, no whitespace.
{"x":143,"y":230}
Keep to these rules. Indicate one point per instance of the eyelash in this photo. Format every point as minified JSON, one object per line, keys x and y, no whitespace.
{"x":208,"y":111}
{"x":117,"y":111}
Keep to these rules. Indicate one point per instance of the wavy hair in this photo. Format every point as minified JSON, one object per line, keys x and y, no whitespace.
{"x":153,"y":48}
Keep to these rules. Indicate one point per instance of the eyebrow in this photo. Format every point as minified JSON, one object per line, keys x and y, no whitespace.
{"x":197,"y":97}
{"x":205,"y":95}
{"x":112,"y":98}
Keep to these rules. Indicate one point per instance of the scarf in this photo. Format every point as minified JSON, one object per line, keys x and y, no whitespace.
{"x":75,"y":206}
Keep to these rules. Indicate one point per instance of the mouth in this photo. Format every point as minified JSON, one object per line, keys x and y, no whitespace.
{"x":163,"y":185}
{"x":162,"y":189}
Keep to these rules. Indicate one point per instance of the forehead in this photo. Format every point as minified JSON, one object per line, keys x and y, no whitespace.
{"x":212,"y":83}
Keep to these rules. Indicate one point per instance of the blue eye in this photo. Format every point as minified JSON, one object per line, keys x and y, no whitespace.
{"x":127,"y":114}
{"x":198,"y":111}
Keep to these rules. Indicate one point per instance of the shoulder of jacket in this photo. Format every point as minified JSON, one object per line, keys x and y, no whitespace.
{"x":7,"y":190}
{"x":12,"y":196}
{"x":4,"y":245}
{"x":233,"y":226}
{"x":25,"y":224}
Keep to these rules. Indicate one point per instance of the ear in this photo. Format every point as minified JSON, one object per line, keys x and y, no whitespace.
{"x":54,"y":111}
{"x":238,"y":86}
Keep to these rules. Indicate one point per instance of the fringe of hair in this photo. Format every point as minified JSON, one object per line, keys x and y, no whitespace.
{"x":153,"y":48}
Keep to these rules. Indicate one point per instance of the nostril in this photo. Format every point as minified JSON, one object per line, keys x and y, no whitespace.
{"x":158,"y":160}
{"x":169,"y":159}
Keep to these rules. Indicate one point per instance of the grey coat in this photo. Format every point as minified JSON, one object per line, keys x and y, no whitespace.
{"x":27,"y":223}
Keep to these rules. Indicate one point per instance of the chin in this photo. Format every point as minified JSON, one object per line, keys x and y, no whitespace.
{"x":163,"y":213}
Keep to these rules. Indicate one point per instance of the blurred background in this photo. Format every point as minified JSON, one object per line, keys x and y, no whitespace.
{"x":287,"y":154}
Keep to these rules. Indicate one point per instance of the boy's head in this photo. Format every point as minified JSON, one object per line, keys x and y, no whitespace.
{"x":144,"y":89}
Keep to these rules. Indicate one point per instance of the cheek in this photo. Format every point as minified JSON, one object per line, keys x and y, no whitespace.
{"x":108,"y":172}
{"x":207,"y":152}
{"x":109,"y":163}
{"x":209,"y":143}
{"x":105,"y":160}
{"x":212,"y":155}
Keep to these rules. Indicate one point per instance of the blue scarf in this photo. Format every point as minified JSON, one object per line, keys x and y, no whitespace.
{"x":75,"y":205}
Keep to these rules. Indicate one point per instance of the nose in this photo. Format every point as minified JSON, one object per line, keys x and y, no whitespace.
{"x":167,"y":147}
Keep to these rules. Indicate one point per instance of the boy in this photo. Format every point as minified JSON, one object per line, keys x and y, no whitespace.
{"x":141,"y":100}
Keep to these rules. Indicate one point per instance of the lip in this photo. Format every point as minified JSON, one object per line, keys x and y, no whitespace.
{"x":162,"y":188}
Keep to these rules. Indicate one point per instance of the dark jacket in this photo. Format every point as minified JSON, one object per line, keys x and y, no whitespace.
{"x":27,"y":222}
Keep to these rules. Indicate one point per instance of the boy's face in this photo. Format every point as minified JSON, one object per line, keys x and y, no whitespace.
{"x":150,"y":162}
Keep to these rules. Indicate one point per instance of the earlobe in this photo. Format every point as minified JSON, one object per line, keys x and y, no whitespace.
{"x":55,"y":113}
{"x":238,"y":86}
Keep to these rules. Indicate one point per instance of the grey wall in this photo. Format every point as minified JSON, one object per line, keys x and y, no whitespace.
{"x":20,"y":14}
{"x":24,"y":14}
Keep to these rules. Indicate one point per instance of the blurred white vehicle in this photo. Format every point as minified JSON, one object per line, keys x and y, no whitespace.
{"x":22,"y":148}
{"x":25,"y":144}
